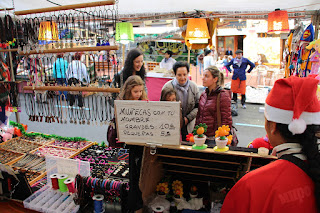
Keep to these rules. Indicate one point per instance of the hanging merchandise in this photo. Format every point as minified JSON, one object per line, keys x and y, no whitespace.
{"x":288,"y":54}
{"x":315,"y":57}
{"x":211,"y":26}
{"x":303,"y":67}
{"x":124,"y":32}
{"x":197,"y":31}
{"x":278,"y":22}
{"x":48,"y":31}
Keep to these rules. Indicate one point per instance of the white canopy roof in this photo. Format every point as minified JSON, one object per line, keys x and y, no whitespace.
{"x":164,"y":6}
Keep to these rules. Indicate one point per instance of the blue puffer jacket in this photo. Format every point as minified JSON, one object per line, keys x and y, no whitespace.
{"x":240,"y":72}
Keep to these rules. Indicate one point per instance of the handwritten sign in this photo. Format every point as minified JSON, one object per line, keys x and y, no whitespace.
{"x":148,"y":122}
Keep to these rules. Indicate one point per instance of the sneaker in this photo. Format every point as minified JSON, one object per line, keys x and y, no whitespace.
{"x":244,"y":106}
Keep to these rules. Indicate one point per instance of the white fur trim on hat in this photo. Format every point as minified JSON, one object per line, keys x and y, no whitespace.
{"x":285,"y":116}
{"x":297,"y":126}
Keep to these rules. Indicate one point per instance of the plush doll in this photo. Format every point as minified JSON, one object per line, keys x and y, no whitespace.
{"x":260,"y":142}
{"x":6,"y":133}
{"x":315,"y":57}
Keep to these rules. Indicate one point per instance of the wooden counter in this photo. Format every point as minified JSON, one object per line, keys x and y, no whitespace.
{"x":195,"y":165}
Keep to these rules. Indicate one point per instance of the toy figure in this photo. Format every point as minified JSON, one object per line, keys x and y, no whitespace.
{"x":315,"y":57}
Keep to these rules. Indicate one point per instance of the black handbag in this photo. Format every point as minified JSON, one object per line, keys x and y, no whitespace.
{"x":112,"y":134}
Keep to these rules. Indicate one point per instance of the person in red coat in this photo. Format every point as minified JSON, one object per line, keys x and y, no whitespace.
{"x":207,"y":108}
{"x":291,"y":183}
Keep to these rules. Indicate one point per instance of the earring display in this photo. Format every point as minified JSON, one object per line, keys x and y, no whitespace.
{"x":8,"y":156}
{"x":71,"y":144}
{"x":54,"y":151}
{"x":19,"y":145}
{"x":103,"y":161}
{"x":31,"y":162}
{"x":38,"y":140}
{"x":121,"y":171}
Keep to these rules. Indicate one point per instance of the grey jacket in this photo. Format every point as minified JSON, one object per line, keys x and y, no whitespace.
{"x":193,"y":99}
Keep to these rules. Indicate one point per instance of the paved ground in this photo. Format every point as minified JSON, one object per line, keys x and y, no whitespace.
{"x":249,"y":122}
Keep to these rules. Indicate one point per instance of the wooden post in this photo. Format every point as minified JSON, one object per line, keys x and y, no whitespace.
{"x":189,"y":48}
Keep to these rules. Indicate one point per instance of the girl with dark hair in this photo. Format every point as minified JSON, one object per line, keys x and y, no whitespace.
{"x":213,"y":80}
{"x":292,"y":183}
{"x":133,"y":65}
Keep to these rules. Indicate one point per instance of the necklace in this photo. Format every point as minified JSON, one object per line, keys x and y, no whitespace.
{"x":87,"y":106}
{"x":27,"y":105}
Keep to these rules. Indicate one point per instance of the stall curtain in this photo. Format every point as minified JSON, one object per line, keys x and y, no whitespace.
{"x":212,"y":25}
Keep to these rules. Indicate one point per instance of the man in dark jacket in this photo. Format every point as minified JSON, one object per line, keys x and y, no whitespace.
{"x":229,"y":51}
{"x":238,"y":83}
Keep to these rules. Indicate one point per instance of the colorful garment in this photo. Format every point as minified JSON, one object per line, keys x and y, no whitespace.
{"x":238,"y":86}
{"x":315,"y":59}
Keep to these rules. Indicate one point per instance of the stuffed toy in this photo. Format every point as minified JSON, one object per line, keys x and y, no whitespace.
{"x":315,"y":57}
{"x":260,"y":142}
{"x":6,"y":133}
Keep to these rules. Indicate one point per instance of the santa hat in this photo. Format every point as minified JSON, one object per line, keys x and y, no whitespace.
{"x":293,"y":101}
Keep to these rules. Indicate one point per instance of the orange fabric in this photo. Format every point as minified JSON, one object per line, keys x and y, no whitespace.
{"x":238,"y":86}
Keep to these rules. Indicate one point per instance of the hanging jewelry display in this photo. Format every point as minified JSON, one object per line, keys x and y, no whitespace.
{"x":63,"y":45}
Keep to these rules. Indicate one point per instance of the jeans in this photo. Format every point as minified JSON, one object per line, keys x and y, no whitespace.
{"x":71,"y":97}
{"x":62,"y":82}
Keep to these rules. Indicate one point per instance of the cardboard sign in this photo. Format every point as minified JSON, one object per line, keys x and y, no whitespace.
{"x":148,"y":121}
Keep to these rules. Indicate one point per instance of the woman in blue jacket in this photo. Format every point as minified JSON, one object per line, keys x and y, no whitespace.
{"x":238,"y":83}
{"x":60,"y":67}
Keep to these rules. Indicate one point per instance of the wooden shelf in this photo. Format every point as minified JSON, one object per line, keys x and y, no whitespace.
{"x":186,"y":164}
{"x":65,"y":7}
{"x":208,"y":150}
{"x":63,"y":88}
{"x":193,"y":173}
{"x":198,"y":159}
{"x":74,"y":49}
{"x":197,"y":167}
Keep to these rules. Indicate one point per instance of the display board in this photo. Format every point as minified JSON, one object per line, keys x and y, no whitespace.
{"x":148,"y":121}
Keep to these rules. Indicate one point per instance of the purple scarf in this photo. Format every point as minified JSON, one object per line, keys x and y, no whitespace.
{"x":237,"y":61}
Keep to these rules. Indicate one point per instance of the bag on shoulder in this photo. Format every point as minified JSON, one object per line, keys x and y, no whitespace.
{"x":112,"y":133}
{"x":233,"y":130}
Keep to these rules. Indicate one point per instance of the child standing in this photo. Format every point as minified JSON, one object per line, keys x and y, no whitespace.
{"x":133,"y":89}
{"x":168,"y":94}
